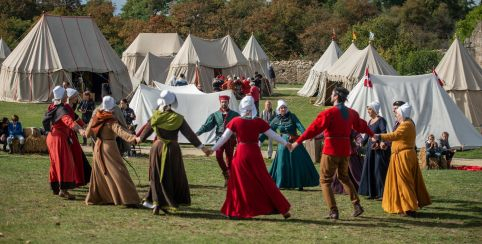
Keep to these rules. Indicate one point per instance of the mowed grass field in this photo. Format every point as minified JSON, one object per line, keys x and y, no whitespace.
{"x":30,"y":213}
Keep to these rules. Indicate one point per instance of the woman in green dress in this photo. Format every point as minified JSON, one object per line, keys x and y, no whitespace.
{"x":291,"y":169}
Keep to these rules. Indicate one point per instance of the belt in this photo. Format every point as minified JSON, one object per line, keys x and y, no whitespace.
{"x":248,"y":143}
{"x":337,"y":137}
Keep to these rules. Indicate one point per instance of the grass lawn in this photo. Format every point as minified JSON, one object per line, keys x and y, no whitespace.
{"x":30,"y":213}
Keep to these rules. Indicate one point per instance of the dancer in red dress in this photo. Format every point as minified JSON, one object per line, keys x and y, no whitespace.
{"x":59,"y":123}
{"x":251,"y":191}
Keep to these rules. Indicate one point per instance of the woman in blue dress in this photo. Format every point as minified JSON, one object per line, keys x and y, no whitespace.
{"x":377,"y":157}
{"x":295,"y":169}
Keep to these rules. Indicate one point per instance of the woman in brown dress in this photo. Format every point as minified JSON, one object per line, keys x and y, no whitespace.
{"x":110,"y":180}
{"x":169,"y":187}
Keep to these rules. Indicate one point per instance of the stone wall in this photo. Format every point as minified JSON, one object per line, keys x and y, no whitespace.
{"x":293,"y":71}
{"x":474,"y":43}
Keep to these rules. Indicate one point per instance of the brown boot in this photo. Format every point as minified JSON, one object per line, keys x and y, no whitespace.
{"x":357,"y":210}
{"x":333,"y":214}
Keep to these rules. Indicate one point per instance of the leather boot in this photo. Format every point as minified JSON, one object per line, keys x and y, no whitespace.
{"x":21,"y":148}
{"x":357,"y":210}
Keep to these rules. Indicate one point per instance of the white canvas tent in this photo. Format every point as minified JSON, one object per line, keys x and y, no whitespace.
{"x":316,"y":76}
{"x":54,"y":48}
{"x":195,"y":107}
{"x":159,"y":44}
{"x":210,"y":58}
{"x":349,"y":70}
{"x":152,"y":68}
{"x":432,"y":109}
{"x":463,"y":81}
{"x":4,"y":50}
{"x":257,"y":58}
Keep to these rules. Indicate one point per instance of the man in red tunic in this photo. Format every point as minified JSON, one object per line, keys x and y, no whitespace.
{"x":336,"y":123}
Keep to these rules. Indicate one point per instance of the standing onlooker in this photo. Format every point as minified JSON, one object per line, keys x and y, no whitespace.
{"x":445,"y":148}
{"x":4,"y":133}
{"x":254,"y":92}
{"x":181,"y":81}
{"x":267,"y":115}
{"x":15,"y":130}
{"x":86,"y":108}
{"x":272,"y":75}
{"x":128,"y":113}
{"x":65,"y":85}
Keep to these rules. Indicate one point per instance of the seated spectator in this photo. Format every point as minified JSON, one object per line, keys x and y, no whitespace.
{"x":445,"y":148}
{"x":181,"y":81}
{"x":15,"y":131}
{"x":432,"y":149}
{"x":4,"y":133}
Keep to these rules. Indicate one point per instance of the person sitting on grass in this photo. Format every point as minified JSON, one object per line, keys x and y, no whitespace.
{"x":445,"y":148}
{"x":4,"y":133}
{"x":432,"y":149}
{"x":15,"y":131}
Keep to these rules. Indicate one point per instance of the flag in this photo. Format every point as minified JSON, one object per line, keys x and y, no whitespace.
{"x":353,"y":36}
{"x":371,"y":37}
{"x":440,"y":82}
{"x":367,"y":82}
{"x":333,"y":34}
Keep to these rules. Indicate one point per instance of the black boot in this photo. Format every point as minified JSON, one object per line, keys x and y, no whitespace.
{"x":21,"y":148}
{"x":5,"y":147}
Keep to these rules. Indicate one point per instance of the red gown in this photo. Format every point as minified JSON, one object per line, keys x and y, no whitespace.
{"x":251,"y":190}
{"x":82,"y":167}
{"x":61,"y":160}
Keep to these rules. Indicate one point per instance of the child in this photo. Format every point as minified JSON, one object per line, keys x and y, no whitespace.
{"x":445,"y":148}
{"x":432,"y":149}
{"x":15,"y":130}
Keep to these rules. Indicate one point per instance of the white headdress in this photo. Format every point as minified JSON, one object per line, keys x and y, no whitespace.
{"x":375,"y":106}
{"x":108,"y":103}
{"x":167,"y":98}
{"x":405,"y":110}
{"x":247,"y":104}
{"x":280,"y":104}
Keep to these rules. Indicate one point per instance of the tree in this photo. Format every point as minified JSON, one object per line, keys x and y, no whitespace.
{"x":466,"y":26}
{"x":419,"y":62}
{"x":143,"y":9}
{"x":21,"y":9}
{"x":12,"y":29}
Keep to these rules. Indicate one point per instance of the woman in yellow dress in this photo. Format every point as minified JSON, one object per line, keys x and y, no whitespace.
{"x":405,"y":190}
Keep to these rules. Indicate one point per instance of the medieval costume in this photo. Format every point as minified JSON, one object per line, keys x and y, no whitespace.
{"x":376,"y":159}
{"x":405,"y":190}
{"x":82,"y":166}
{"x":251,"y":191}
{"x":219,"y":120}
{"x":110,"y":182}
{"x":168,"y":185}
{"x":291,"y":169}
{"x":59,"y":124}
{"x":355,"y":166}
{"x":336,"y":123}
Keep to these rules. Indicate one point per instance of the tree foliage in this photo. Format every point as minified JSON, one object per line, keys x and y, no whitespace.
{"x":405,"y":30}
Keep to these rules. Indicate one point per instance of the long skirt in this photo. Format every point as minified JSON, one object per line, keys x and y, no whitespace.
{"x":110,"y":182}
{"x":251,"y":190}
{"x":61,"y":175}
{"x":82,"y":166}
{"x":374,"y":172}
{"x":295,"y":169}
{"x":171,"y":188}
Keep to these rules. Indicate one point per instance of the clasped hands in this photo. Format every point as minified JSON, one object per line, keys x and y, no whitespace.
{"x":377,"y":144}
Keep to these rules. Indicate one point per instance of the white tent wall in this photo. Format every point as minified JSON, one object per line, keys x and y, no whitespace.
{"x":152,"y":68}
{"x":64,"y":44}
{"x":470,"y":103}
{"x":433,"y":111}
{"x":257,"y":58}
{"x":195,"y":107}
{"x":132,"y":63}
{"x":4,"y":50}
{"x":463,"y":81}
{"x":315,"y":78}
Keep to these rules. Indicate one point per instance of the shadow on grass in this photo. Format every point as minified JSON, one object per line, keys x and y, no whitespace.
{"x":206,"y":187}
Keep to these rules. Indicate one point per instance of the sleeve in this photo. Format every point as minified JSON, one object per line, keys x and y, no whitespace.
{"x":146,"y":131}
{"x":80,"y":122}
{"x":69,"y":122}
{"x":123,"y":133}
{"x":315,"y":128}
{"x":207,"y":126}
{"x":223,"y":139}
{"x":398,"y":134}
{"x":189,"y":134}
{"x":427,"y":145}
{"x":360,"y":125}
{"x":88,"y":130}
{"x":298,"y":124}
{"x":271,"y":134}
{"x":273,"y":126}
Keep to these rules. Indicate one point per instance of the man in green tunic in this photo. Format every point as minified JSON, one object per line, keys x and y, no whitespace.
{"x":220,"y":119}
